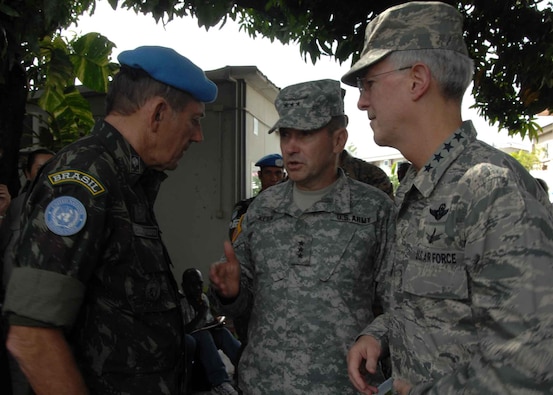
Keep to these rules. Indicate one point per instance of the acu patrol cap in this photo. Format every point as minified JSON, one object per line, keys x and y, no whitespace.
{"x":273,"y":160}
{"x":309,"y":105}
{"x":413,"y":25}
{"x":169,"y":67}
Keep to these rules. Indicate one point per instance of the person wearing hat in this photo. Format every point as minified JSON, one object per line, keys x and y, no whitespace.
{"x":92,"y":303}
{"x":470,"y":287}
{"x":308,"y":259}
{"x":270,"y":173}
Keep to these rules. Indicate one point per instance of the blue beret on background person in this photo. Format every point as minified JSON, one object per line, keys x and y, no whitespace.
{"x":274,"y":160}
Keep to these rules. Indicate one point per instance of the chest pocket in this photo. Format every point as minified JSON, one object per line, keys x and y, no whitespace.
{"x":315,"y":247}
{"x":349,"y":251}
{"x":438,"y":281}
{"x":150,"y":285}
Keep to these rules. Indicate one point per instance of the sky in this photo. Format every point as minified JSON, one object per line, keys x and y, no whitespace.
{"x":282,"y":64}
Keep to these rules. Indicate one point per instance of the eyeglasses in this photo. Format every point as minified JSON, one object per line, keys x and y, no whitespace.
{"x":365,"y":84}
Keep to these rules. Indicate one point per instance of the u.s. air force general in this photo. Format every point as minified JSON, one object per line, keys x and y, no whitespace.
{"x":470,"y":303}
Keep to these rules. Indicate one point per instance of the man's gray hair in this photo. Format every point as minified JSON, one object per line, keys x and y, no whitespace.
{"x":452,"y":70}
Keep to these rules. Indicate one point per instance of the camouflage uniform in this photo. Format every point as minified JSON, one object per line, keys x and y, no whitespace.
{"x":310,"y":280}
{"x":115,"y":293}
{"x":471,"y":304}
{"x":238,"y":212}
{"x":366,"y":172}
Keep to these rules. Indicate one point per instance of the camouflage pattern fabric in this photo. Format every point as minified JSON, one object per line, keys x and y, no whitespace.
{"x":309,"y":105}
{"x":115,"y":293}
{"x":471,"y":305}
{"x":310,"y":279}
{"x":366,"y":172}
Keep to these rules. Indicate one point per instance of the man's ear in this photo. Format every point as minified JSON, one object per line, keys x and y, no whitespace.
{"x":421,"y":78}
{"x":158,"y":112}
{"x":340,"y":140}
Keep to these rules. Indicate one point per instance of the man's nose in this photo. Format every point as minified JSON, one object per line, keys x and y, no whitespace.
{"x":363,"y":102}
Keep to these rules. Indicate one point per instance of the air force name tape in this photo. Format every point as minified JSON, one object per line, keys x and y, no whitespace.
{"x":76,"y":176}
{"x":65,"y":216}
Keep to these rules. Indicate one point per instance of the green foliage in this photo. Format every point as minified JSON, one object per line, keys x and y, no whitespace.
{"x":393,"y":176}
{"x":530,"y":160}
{"x":25,"y":23}
{"x":29,"y":40}
{"x":56,"y":68}
{"x":90,"y":59}
{"x":256,"y":184}
{"x":510,"y":40}
{"x":352,"y":149}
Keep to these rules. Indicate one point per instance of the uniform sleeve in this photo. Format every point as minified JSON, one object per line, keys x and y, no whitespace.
{"x":386,"y":256}
{"x":378,"y":328}
{"x":509,"y":242}
{"x":62,"y":238}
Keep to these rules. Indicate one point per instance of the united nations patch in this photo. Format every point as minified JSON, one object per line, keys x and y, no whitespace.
{"x":65,"y":216}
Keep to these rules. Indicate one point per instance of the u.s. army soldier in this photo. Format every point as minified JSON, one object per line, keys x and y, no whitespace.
{"x":92,"y":303}
{"x":471,"y":296}
{"x":309,"y":255}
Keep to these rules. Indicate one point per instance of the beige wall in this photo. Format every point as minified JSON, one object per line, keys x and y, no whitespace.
{"x":196,"y":201}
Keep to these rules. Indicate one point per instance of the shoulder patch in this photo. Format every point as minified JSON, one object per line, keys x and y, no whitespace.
{"x":65,"y":216}
{"x":76,"y":176}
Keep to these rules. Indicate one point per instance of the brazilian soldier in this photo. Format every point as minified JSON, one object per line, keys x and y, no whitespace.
{"x":92,"y":304}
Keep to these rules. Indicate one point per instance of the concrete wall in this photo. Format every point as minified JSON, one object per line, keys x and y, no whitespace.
{"x":196,"y":200}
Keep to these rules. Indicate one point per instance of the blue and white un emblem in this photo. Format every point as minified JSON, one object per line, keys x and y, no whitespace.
{"x":65,"y":216}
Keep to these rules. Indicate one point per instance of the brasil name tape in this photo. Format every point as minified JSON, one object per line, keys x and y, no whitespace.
{"x":76,"y":176}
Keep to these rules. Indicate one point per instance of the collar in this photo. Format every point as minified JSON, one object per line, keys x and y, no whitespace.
{"x":127,"y":159}
{"x":337,"y":200}
{"x":429,"y":175}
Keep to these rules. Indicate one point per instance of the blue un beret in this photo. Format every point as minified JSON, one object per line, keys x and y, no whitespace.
{"x":274,"y":160}
{"x":168,"y":66}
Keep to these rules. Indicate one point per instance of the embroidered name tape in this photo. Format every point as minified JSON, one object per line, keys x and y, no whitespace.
{"x":76,"y":176}
{"x":65,"y":216}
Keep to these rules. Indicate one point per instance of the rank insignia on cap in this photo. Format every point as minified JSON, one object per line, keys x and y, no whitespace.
{"x":65,"y":216}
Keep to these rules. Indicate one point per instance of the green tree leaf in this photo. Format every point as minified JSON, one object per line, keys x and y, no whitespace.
{"x":90,"y":59}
